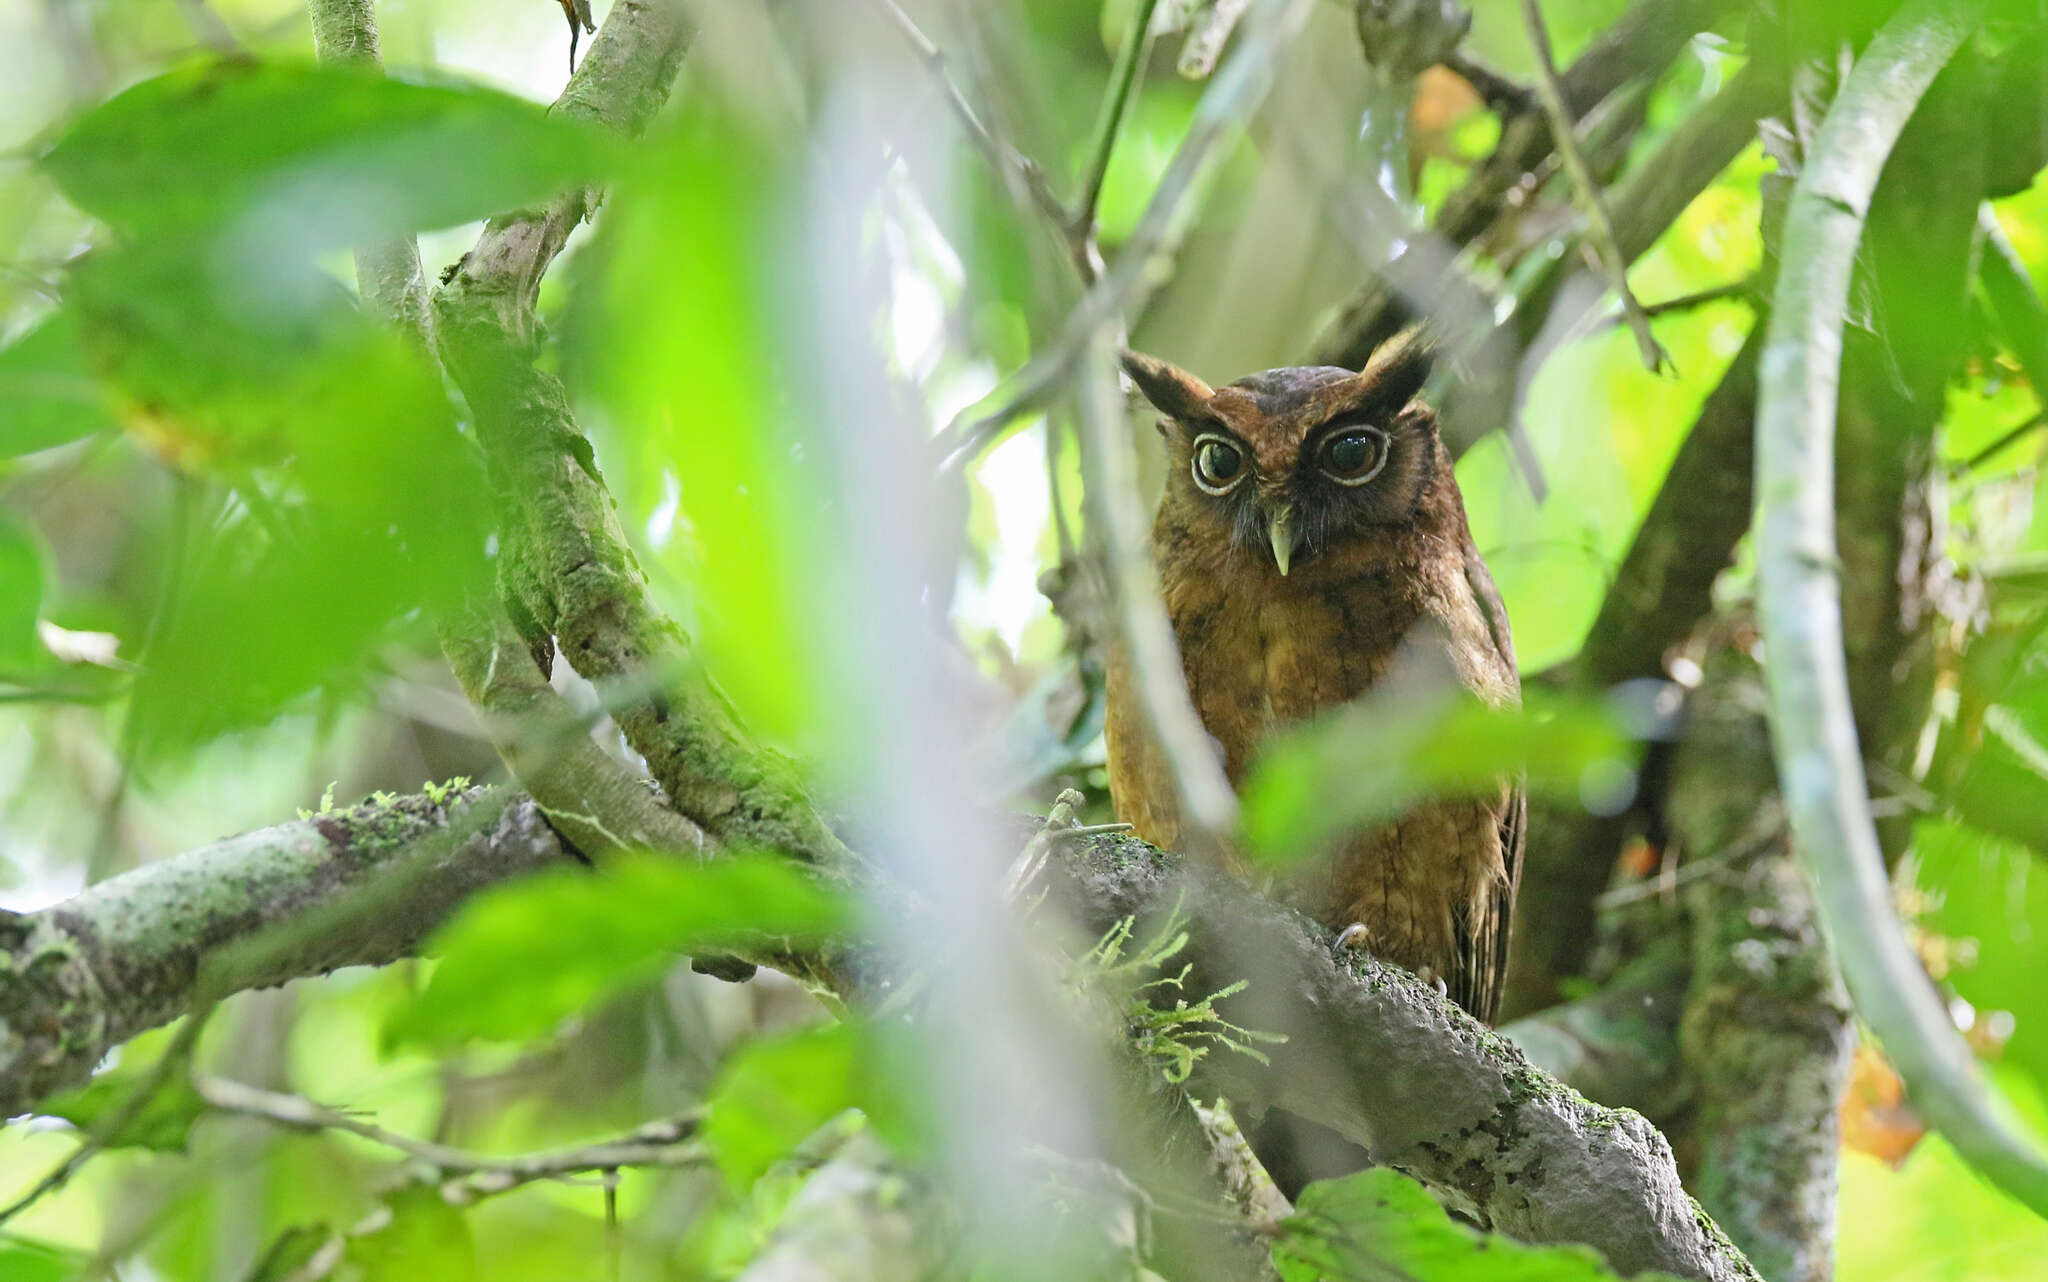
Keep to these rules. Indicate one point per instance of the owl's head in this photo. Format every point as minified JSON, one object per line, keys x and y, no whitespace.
{"x":1297,"y":459}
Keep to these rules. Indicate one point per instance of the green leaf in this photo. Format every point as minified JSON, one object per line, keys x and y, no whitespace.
{"x":672,"y":343}
{"x":26,"y":1260}
{"x":518,"y":960}
{"x":1371,"y":762}
{"x":359,"y":507}
{"x":424,"y":1238}
{"x":774,"y":1093}
{"x":1379,"y":1226}
{"x":21,"y":598}
{"x":312,"y":157}
{"x":289,"y":1254}
{"x":50,"y":396}
{"x":164,"y":1124}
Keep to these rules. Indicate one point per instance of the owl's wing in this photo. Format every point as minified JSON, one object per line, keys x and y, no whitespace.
{"x":1476,"y":981}
{"x":1483,"y":946}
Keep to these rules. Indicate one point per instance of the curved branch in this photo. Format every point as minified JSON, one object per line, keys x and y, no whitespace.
{"x":125,"y":955}
{"x":1385,"y":1062}
{"x":1800,"y":599}
{"x":1373,"y":1053}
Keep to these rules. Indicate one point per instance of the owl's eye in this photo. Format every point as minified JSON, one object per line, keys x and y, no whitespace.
{"x":1354,"y":456}
{"x":1218,"y":464}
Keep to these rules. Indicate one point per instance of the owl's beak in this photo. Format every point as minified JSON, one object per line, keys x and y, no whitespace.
{"x":1286,"y":535}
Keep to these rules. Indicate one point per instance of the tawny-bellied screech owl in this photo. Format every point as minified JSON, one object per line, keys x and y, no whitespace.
{"x":1311,"y":531}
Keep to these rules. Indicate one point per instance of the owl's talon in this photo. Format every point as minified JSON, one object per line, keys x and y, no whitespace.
{"x":1428,"y":975}
{"x":1356,"y":935}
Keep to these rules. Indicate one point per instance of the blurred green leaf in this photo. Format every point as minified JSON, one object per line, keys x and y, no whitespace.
{"x":358,"y":504}
{"x":424,"y":1238}
{"x":1992,"y":769}
{"x":164,"y":1124}
{"x":26,"y":1260}
{"x":1379,"y":1225}
{"x":518,"y":960}
{"x":289,"y":1253}
{"x":1372,"y":761}
{"x":701,"y":352}
{"x":1985,"y":896}
{"x":50,"y":397}
{"x":21,"y":597}
{"x":775,"y":1092}
{"x":311,"y":157}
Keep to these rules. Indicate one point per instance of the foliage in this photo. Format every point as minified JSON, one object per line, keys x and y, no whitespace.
{"x":1173,"y":1039}
{"x":269,"y":506}
{"x":1380,"y":1225}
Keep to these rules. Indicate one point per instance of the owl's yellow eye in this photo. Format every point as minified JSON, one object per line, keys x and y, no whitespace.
{"x":1355,"y":456}
{"x":1218,"y":464}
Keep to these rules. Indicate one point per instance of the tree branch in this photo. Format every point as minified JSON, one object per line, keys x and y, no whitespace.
{"x":1813,"y":724}
{"x":124,"y":956}
{"x":1372,"y":1053}
{"x":387,"y":272}
{"x":1378,"y":1057}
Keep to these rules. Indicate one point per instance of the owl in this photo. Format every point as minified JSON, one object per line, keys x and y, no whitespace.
{"x":1311,"y":538}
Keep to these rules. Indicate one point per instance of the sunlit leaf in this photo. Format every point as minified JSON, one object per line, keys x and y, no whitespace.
{"x":311,"y":157}
{"x":1379,"y":1225}
{"x":517,"y":961}
{"x":164,"y":1122}
{"x":424,"y":1237}
{"x":21,"y":597}
{"x":694,"y":350}
{"x":26,"y":1260}
{"x":775,"y":1092}
{"x":50,"y":397}
{"x":1370,"y":762}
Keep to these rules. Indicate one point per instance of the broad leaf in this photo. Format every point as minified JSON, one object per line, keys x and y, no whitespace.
{"x":774,"y":1093}
{"x":25,"y":1260}
{"x":50,"y":397}
{"x":164,"y":1122}
{"x":358,"y":508}
{"x":1381,"y":1226}
{"x":1372,"y":761}
{"x":307,"y":157}
{"x":424,"y":1237}
{"x":517,"y":961}
{"x":21,"y":598}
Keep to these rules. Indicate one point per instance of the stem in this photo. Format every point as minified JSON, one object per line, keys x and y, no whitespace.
{"x":1123,"y":80}
{"x":1813,"y":729}
{"x":1600,"y":228}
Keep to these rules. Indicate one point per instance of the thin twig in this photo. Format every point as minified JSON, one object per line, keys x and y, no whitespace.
{"x":1600,"y":228}
{"x":2005,"y":439}
{"x":1813,"y":727}
{"x":1208,"y":805}
{"x":1205,"y":44}
{"x":668,"y":1142}
{"x":1504,"y":96}
{"x":1123,"y":80}
{"x":1232,"y":93}
{"x":1002,"y":155}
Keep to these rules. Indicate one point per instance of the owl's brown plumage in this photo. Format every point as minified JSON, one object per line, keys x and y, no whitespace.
{"x":1310,"y":533}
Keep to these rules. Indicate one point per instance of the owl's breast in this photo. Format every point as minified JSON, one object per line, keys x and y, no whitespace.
{"x":1258,"y":659}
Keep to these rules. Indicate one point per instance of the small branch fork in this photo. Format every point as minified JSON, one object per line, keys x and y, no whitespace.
{"x":1599,"y":227}
{"x":465,"y":1175}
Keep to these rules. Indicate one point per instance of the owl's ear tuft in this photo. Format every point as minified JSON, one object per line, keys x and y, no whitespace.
{"x":1171,"y":389}
{"x":1398,"y":369}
